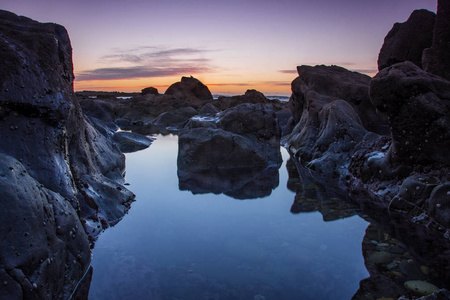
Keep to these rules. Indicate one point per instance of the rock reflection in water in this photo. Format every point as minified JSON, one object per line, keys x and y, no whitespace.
{"x":235,"y":183}
{"x":311,"y":196}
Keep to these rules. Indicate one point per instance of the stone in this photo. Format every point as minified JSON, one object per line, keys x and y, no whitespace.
{"x":339,"y":83}
{"x":421,"y":288}
{"x":406,"y":41}
{"x":131,"y":142}
{"x":439,"y":204}
{"x":149,"y":91}
{"x":189,"y":87}
{"x":436,"y":59}
{"x":175,"y":118}
{"x":415,"y":103}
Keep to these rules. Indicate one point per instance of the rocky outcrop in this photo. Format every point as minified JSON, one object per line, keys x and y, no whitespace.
{"x":232,"y":154}
{"x":417,"y":105}
{"x":406,"y":41}
{"x":189,"y":87}
{"x":436,"y":59}
{"x":329,"y":104}
{"x":58,"y":185}
{"x":337,"y":82}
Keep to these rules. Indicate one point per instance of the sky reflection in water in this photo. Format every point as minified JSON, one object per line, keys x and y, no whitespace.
{"x":175,"y":245}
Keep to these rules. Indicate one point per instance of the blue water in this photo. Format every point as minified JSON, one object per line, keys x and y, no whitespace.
{"x":176,"y":245}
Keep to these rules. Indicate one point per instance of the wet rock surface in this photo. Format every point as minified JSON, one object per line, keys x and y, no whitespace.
{"x":237,"y":153}
{"x":51,"y":158}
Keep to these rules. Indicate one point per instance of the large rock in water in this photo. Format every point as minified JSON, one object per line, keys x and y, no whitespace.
{"x":436,"y":59}
{"x":54,"y":179}
{"x":406,"y":41}
{"x":238,"y":155}
{"x":417,"y":105}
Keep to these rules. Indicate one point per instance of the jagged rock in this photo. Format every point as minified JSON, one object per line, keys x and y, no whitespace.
{"x":131,"y":142}
{"x":189,"y":87}
{"x":416,"y":104}
{"x":436,"y":59}
{"x":250,"y":96}
{"x":340,"y":83}
{"x":49,"y":164}
{"x":406,"y":41}
{"x":175,"y":117}
{"x":149,"y":91}
{"x":326,"y":134}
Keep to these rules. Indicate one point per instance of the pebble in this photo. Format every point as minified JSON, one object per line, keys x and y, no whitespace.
{"x":34,"y":285}
{"x":421,"y":288}
{"x":5,"y":282}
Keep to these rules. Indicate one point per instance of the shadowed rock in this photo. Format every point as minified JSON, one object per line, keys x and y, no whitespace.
{"x":189,"y":87}
{"x":406,"y":41}
{"x":149,"y":91}
{"x":436,"y":59}
{"x":416,"y":104}
{"x":56,"y":183}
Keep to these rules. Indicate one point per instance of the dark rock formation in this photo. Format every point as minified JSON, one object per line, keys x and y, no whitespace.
{"x":337,"y":82}
{"x":436,"y":59}
{"x":406,"y":41}
{"x":417,"y":106}
{"x":131,"y":142}
{"x":250,"y":96}
{"x":189,"y":87}
{"x":235,"y":156}
{"x":149,"y":91}
{"x":54,"y":178}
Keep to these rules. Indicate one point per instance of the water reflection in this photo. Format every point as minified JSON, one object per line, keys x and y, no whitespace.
{"x":176,"y":245}
{"x":310,"y":195}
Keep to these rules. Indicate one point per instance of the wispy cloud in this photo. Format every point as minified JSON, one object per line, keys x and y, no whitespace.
{"x":147,"y":62}
{"x":288,"y":71}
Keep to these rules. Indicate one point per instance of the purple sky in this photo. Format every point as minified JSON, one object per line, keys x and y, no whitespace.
{"x":230,"y":45}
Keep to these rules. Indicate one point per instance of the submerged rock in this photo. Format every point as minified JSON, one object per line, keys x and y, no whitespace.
{"x":421,"y":288}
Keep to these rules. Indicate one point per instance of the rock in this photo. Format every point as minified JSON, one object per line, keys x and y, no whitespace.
{"x":436,"y":59}
{"x":149,"y":91}
{"x":421,"y":288}
{"x":336,"y":82}
{"x":381,"y":257}
{"x":237,"y":154}
{"x":439,"y":204}
{"x":208,"y":109}
{"x":131,"y":142}
{"x":415,"y":103}
{"x":174,"y":118}
{"x":250,"y":96}
{"x":189,"y":87}
{"x":326,"y":134}
{"x":61,"y":156}
{"x":406,"y":41}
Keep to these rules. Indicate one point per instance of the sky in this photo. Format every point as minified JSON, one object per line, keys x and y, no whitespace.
{"x":231,"y":45}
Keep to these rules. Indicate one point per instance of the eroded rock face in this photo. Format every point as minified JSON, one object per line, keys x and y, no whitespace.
{"x":236,"y":153}
{"x":337,"y":82}
{"x":436,"y":59}
{"x":417,"y":106}
{"x":60,"y":177}
{"x":406,"y":41}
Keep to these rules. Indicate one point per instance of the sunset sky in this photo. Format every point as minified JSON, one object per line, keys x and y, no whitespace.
{"x":231,"y":46}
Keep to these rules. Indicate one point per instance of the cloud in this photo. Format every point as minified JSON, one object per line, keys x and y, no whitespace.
{"x":288,"y":71}
{"x":148,"y":62}
{"x":138,"y":72}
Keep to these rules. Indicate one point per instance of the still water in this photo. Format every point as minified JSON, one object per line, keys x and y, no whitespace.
{"x":176,"y":245}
